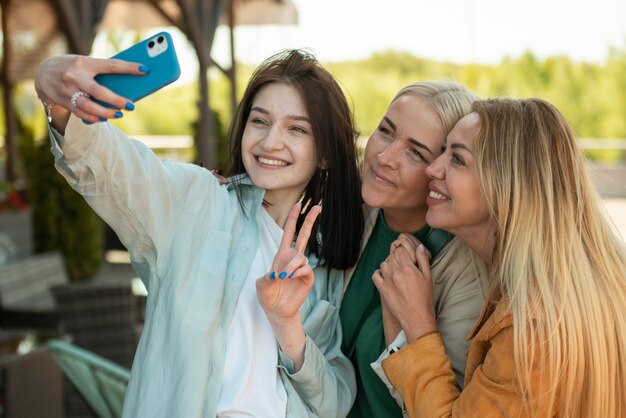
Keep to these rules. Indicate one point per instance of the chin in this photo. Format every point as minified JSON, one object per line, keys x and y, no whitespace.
{"x":434,"y":221}
{"x":371,"y":199}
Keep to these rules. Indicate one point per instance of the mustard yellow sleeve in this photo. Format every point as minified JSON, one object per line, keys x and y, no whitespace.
{"x":422,"y":373}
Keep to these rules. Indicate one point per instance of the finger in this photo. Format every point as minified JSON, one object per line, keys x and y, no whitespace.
{"x":384,"y":269}
{"x":220,"y":179}
{"x":102,"y":93}
{"x":412,"y":239}
{"x":99,"y":112}
{"x":409,"y":245}
{"x":423,"y":261}
{"x":265,"y":282}
{"x":85,"y":116}
{"x":305,"y":274}
{"x":289,"y":231}
{"x":299,"y":260}
{"x":402,"y":257}
{"x":84,"y":70}
{"x":307,"y":227}
{"x":379,"y":281}
{"x":106,"y":65}
{"x":117,"y":66}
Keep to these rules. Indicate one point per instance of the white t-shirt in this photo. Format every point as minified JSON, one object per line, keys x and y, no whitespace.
{"x":251,"y":385}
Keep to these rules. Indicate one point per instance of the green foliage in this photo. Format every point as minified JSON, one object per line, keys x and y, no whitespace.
{"x":62,"y":220}
{"x":169,"y":112}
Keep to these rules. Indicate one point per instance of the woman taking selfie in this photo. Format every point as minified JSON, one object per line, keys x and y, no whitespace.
{"x":240,"y":321}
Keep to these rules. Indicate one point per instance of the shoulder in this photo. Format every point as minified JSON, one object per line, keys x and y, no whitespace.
{"x":498,"y":323}
{"x":454,"y":262}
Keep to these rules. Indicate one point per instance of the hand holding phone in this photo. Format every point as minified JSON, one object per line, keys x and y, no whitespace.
{"x":158,"y":54}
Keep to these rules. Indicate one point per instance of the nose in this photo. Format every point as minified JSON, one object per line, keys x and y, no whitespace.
{"x":436,"y":170}
{"x":389,"y":156}
{"x":273,"y":139}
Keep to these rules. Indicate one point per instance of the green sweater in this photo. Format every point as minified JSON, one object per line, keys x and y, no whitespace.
{"x":362,"y":323}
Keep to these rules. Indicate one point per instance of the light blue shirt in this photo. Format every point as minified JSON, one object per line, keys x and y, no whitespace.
{"x":192,"y":245}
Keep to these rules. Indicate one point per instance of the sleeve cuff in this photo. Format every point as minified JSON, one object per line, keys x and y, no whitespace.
{"x":312,"y":367}
{"x":396,"y":345}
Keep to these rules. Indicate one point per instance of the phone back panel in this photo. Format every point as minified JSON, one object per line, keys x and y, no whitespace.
{"x":158,"y":53}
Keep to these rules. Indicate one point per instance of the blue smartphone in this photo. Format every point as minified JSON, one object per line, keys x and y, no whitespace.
{"x":158,"y":53}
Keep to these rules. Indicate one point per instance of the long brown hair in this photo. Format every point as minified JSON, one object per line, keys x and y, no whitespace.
{"x":339,"y":185}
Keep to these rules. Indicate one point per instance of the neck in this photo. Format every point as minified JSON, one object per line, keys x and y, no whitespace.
{"x":405,"y":220}
{"x":481,"y":241}
{"x":279,"y":205}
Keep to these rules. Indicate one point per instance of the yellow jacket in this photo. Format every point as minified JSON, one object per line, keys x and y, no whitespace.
{"x":423,"y":375}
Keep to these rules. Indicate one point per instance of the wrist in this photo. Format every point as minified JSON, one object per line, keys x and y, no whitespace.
{"x":291,"y":338}
{"x":419,"y":326}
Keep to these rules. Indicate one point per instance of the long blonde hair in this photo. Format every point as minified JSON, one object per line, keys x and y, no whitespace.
{"x":556,"y":259}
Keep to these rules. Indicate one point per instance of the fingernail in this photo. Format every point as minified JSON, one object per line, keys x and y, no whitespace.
{"x":144,"y":68}
{"x":86,"y":122}
{"x":282,"y":274}
{"x":102,"y":119}
{"x":421,"y":248}
{"x":292,"y":274}
{"x":129,"y":106}
{"x":118,"y":114}
{"x":272,"y":275}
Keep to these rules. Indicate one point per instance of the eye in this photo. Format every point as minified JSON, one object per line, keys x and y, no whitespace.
{"x":384,"y":130}
{"x":417,"y":154}
{"x":257,"y":121}
{"x":457,"y":159}
{"x":299,"y":129}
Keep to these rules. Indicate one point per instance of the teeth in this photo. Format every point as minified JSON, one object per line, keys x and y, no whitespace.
{"x":436,"y":195}
{"x":272,"y":162}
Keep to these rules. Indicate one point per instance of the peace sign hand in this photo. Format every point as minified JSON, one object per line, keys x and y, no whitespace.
{"x":282,"y":291}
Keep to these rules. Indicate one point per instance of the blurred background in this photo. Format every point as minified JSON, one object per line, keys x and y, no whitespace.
{"x":59,"y":263}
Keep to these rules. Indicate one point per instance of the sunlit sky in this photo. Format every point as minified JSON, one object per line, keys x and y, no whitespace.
{"x":454,"y":30}
{"x":459,"y":31}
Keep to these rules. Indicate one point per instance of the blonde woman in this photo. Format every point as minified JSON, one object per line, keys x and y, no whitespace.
{"x":551,"y":340}
{"x":408,"y":138}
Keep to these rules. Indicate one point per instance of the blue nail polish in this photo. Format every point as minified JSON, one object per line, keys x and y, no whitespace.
{"x":282,"y":274}
{"x":86,"y":122}
{"x":272,"y":275}
{"x":118,"y":114}
{"x":144,"y":68}
{"x":129,"y":106}
{"x":292,"y":274}
{"x":102,"y":118}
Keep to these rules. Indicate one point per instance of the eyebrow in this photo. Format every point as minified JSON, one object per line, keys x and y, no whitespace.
{"x":292,"y":117}
{"x":411,"y":140}
{"x":456,"y":146}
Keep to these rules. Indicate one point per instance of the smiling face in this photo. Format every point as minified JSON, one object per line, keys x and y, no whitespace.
{"x":456,"y":202}
{"x":278,"y":148}
{"x":408,"y":138}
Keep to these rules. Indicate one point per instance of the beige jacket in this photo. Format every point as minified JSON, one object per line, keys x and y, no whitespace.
{"x":457,"y":298}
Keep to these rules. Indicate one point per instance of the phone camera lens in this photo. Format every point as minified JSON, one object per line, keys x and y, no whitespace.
{"x":151,"y":44}
{"x":160,"y":39}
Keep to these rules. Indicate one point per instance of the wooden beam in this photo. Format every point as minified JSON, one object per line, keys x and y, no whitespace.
{"x":9,"y":107}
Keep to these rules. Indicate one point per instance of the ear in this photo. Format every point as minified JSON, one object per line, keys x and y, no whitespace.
{"x":323,"y":164}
